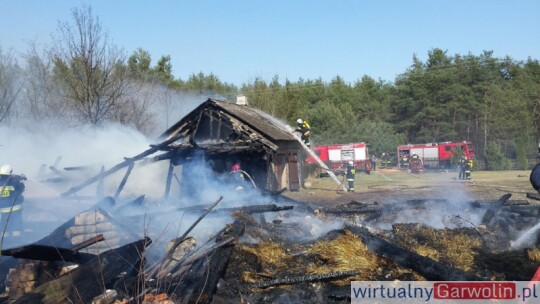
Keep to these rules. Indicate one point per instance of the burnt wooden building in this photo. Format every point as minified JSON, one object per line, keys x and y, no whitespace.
{"x":224,"y":133}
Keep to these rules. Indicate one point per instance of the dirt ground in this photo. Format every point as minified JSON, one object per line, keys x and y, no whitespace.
{"x":393,"y":186}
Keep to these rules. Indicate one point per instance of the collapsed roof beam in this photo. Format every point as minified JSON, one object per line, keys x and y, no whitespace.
{"x":125,"y":163}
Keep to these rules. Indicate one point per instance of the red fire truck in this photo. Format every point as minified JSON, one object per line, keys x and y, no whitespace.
{"x":335,"y":156}
{"x":436,"y":155}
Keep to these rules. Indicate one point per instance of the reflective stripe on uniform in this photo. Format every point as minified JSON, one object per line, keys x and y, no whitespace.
{"x":9,"y":209}
{"x":7,"y":191}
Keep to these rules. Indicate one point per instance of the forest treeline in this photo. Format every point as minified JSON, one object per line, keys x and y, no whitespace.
{"x":85,"y":79}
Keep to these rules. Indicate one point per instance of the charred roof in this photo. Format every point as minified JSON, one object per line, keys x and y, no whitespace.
{"x":258,"y":120}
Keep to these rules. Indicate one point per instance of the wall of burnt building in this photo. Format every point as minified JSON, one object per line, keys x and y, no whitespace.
{"x":269,"y":171}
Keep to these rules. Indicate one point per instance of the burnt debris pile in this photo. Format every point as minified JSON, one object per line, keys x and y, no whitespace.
{"x":279,"y":251}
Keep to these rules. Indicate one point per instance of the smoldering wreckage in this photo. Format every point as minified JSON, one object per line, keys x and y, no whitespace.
{"x":253,"y":245}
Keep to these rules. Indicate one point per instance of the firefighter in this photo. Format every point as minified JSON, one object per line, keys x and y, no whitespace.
{"x":467,"y":169}
{"x":461,"y":164}
{"x":237,"y":177}
{"x":535,"y":173}
{"x":351,"y":172}
{"x":385,"y":163}
{"x":304,"y":129}
{"x":404,"y":162}
{"x":374,"y":162}
{"x":11,"y":201}
{"x":415,"y":164}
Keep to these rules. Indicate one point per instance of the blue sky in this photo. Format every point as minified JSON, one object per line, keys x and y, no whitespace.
{"x":239,"y":40}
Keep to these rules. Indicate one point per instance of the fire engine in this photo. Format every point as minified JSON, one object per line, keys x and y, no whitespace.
{"x":335,"y":156}
{"x":436,"y":155}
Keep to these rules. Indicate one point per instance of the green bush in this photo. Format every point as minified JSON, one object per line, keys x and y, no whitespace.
{"x":495,"y":159}
{"x":521,"y":163}
{"x":508,"y":164}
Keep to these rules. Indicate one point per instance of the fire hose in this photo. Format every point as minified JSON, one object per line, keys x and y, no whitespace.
{"x":246,"y":174}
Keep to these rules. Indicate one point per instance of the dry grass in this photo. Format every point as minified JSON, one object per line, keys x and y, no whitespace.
{"x":487,"y":185}
{"x":461,"y":250}
{"x":427,"y":252}
{"x":270,"y":254}
{"x":250,"y":277}
{"x":534,"y":254}
{"x":446,"y":245}
{"x":346,"y":252}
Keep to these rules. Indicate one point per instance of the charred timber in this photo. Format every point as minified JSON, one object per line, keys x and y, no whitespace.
{"x":428,"y":268}
{"x":494,"y":209}
{"x":124,"y":180}
{"x":246,"y":209}
{"x":307,"y":278}
{"x":183,"y":151}
{"x":342,"y":210}
{"x":88,"y":242}
{"x":55,"y":170}
{"x":168,"y":255}
{"x":47,"y":253}
{"x":153,"y":149}
{"x":533,"y":196}
{"x":257,"y":209}
{"x":200,"y":285}
{"x":87,"y":281}
{"x":484,"y":203}
{"x":192,"y":258}
{"x":421,"y":202}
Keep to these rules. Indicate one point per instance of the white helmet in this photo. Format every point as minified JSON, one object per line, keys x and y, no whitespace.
{"x":351,"y":163}
{"x":299,"y":120}
{"x":6,"y":170}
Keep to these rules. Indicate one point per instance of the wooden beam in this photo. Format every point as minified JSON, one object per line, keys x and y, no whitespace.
{"x":169,"y":180}
{"x":124,"y":180}
{"x":153,"y":149}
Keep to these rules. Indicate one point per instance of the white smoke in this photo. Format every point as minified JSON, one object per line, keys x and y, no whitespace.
{"x":27,"y":150}
{"x":449,"y":208}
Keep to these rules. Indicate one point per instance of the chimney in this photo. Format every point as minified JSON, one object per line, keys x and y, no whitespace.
{"x":241,"y":100}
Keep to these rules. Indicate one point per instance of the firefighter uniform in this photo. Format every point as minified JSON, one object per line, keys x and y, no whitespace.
{"x":305,"y":131}
{"x":535,"y":177}
{"x":404,"y":161}
{"x":468,"y":167}
{"x":415,"y":164}
{"x":11,"y":201}
{"x":351,"y":172}
{"x":535,"y":173}
{"x":385,"y":163}
{"x":462,"y":162}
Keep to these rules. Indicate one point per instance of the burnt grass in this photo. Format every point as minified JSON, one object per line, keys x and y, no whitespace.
{"x":237,"y":286}
{"x":482,"y":250}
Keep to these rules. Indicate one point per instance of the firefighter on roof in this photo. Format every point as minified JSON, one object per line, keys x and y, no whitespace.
{"x":351,"y":172}
{"x":11,"y":201}
{"x":304,"y":129}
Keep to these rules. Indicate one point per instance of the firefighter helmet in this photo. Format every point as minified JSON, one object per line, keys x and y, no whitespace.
{"x":299,"y":120}
{"x":351,"y":163}
{"x":235,"y":167}
{"x":6,"y":170}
